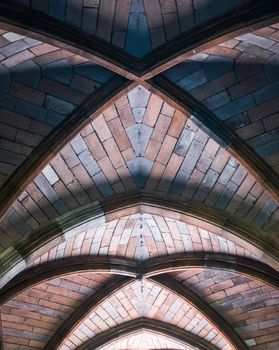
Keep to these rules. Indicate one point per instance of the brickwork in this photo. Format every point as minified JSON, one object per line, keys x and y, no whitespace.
{"x":144,"y":299}
{"x":246,"y":99}
{"x":137,"y":148}
{"x":140,"y":142}
{"x":40,"y":86}
{"x":29,"y":319}
{"x":145,"y":341}
{"x":249,"y":305}
{"x":141,"y":237}
{"x":137,"y":26}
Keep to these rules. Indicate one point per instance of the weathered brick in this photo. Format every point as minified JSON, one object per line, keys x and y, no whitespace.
{"x":62,"y":170}
{"x":251,"y":130}
{"x":153,"y":110}
{"x":119,"y":134}
{"x":251,"y":84}
{"x":114,"y":153}
{"x":177,"y":124}
{"x":17,"y":59}
{"x":161,"y":128}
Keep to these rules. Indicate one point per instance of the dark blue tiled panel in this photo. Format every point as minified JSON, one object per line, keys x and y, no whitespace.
{"x":27,"y":73}
{"x":94,"y":72}
{"x":5,"y":79}
{"x":238,"y":106}
{"x":215,"y":66}
{"x":137,"y":40}
{"x":59,"y":70}
{"x":57,"y":105}
{"x":30,"y":110}
{"x":57,"y":9}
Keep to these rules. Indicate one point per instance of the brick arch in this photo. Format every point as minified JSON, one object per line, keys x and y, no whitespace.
{"x":158,"y":327}
{"x":135,"y":301}
{"x":29,"y":230}
{"x":106,"y":292}
{"x":70,"y":291}
{"x":249,"y":305}
{"x":141,"y":236}
{"x":48,"y":196}
{"x":213,"y":225}
{"x":257,"y":18}
{"x":146,"y":340}
{"x":127,"y":267}
{"x":140,"y":142}
{"x":30,"y":318}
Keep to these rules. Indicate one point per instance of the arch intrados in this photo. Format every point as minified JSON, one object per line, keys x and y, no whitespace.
{"x":166,"y":283}
{"x":189,"y":212}
{"x":155,"y":326}
{"x":138,"y":332}
{"x":129,"y":268}
{"x":192,"y":213}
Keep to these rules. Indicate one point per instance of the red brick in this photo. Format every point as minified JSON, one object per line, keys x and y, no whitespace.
{"x":223,"y":52}
{"x":126,"y":114}
{"x":220,"y":160}
{"x":230,"y":43}
{"x":119,"y":134}
{"x":101,"y":128}
{"x":95,"y":146}
{"x":114,"y":153}
{"x":108,"y":170}
{"x":43,"y":49}
{"x":155,"y":175}
{"x":17,"y":59}
{"x":128,"y":154}
{"x":52,"y":56}
{"x":110,"y":113}
{"x":246,"y":186}
{"x":177,"y":124}
{"x":63,"y":192}
{"x":166,"y":150}
{"x":152,"y":149}
{"x":161,"y":128}
{"x":172,"y":167}
{"x":62,"y":170}
{"x":153,"y":110}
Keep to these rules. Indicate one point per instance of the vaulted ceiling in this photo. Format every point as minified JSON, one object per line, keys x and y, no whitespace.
{"x":139,"y":162}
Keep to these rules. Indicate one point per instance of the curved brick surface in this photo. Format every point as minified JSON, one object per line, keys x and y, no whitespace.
{"x":145,"y":341}
{"x":30,"y":318}
{"x":141,"y":237}
{"x":249,"y":305}
{"x":238,"y":81}
{"x":137,"y":26}
{"x":40,"y":86}
{"x":145,"y":299}
{"x":140,"y":142}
